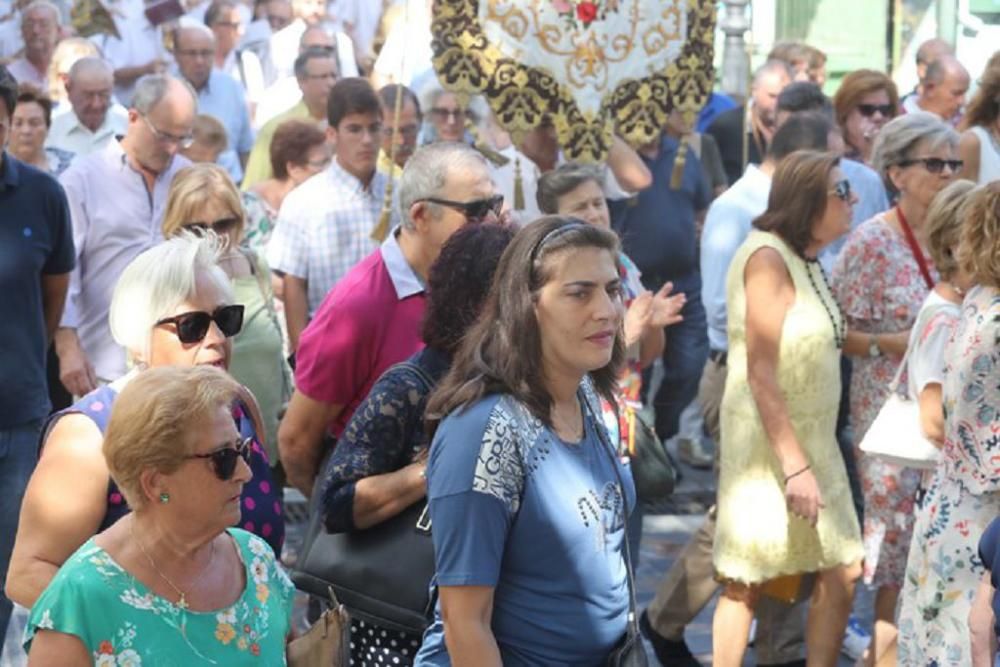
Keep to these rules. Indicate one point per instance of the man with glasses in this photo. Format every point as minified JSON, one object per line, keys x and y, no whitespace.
{"x":219,"y":94}
{"x":404,"y":132}
{"x":93,"y":121}
{"x":315,"y":76}
{"x":36,"y":256}
{"x":371,"y":318}
{"x":225,"y":20}
{"x":40,"y":30}
{"x":116,"y":198}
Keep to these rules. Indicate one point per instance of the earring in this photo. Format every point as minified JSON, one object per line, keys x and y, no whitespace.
{"x":164,"y":498}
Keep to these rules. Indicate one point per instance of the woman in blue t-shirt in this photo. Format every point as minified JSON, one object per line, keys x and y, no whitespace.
{"x":525,"y":491}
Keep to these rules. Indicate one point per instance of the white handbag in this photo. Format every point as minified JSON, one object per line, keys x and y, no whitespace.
{"x":896,"y":435}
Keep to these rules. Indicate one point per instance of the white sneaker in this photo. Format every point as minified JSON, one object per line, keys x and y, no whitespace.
{"x":692,"y":452}
{"x":856,"y":639}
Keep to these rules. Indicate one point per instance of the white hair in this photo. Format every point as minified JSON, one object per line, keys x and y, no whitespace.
{"x":159,"y":280}
{"x":899,"y":137}
{"x":427,"y":171}
{"x":42,"y":4}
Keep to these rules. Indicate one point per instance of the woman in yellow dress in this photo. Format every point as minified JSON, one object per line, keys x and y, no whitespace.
{"x":784,"y":503}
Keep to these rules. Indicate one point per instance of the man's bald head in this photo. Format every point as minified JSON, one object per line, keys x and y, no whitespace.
{"x":88,"y":88}
{"x":944,"y":87}
{"x":315,"y":36}
{"x":931,"y":50}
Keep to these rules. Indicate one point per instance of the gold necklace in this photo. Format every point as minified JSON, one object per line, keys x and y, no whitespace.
{"x":182,"y":602}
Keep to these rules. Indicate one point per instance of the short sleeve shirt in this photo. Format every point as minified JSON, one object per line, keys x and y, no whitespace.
{"x":36,"y":239}
{"x":931,"y":332}
{"x":539,"y":520}
{"x":369,"y":321}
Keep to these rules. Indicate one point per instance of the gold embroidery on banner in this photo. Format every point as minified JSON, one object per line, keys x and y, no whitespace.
{"x":468,"y":63}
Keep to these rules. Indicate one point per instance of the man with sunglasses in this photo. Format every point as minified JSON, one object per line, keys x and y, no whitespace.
{"x":371,"y":319}
{"x":117,"y":196}
{"x":36,"y":256}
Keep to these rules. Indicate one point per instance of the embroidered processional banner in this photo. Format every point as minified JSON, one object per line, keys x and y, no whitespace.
{"x":593,"y":66}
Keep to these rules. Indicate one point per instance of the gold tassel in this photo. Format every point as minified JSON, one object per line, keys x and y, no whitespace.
{"x":677,"y":175}
{"x":518,"y":186}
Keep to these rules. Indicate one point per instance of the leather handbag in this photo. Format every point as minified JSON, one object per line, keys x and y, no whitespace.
{"x":896,"y":435}
{"x":327,"y":643}
{"x":630,"y":652}
{"x":652,"y":470}
{"x":382,"y":574}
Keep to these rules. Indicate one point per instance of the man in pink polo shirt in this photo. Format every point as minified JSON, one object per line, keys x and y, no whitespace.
{"x":371,"y":318}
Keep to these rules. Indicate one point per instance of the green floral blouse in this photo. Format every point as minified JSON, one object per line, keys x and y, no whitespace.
{"x":122,"y":623}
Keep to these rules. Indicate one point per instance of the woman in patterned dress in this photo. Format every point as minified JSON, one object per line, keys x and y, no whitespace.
{"x":172,"y":583}
{"x":155,"y":312}
{"x":881,"y":278}
{"x":944,"y":568}
{"x":377,"y":468}
{"x":784,"y":502}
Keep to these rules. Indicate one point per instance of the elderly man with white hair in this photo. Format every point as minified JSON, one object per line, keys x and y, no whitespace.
{"x":219,"y":95}
{"x":40,"y":31}
{"x":93,"y":119}
{"x":371,"y":319}
{"x":117,"y":197}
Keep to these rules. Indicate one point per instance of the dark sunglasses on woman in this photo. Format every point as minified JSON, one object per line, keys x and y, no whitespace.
{"x":935,"y":165}
{"x":193,"y":327}
{"x":224,"y":460}
{"x":475,"y":210}
{"x":868,"y":110}
{"x":220,"y":226}
{"x":842,"y":190}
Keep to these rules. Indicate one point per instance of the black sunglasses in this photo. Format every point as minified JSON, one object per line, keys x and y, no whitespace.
{"x":842,"y":190}
{"x":220,"y":226}
{"x":193,"y":327}
{"x":868,"y":110}
{"x":224,"y":460}
{"x":474,"y":211}
{"x":935,"y":165}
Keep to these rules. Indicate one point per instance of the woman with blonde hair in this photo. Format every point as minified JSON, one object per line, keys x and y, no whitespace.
{"x":203,"y":198}
{"x":944,"y":567}
{"x":980,"y":143}
{"x":173,"y":582}
{"x":67,"y":52}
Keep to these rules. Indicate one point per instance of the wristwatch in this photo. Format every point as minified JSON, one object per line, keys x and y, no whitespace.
{"x":873,"y":349}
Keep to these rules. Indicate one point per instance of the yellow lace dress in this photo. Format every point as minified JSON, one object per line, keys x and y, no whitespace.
{"x":757,"y":538}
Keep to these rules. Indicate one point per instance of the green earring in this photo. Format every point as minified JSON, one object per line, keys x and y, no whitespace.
{"x":164,"y":498}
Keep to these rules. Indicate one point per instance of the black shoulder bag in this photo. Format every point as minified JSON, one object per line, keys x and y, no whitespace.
{"x":382,"y":574}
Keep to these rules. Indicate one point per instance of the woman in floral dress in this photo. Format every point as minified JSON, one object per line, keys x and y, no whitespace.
{"x":944,"y":567}
{"x":881,"y":279}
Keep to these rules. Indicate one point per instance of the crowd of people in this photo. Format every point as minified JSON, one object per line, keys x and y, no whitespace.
{"x":251,"y":247}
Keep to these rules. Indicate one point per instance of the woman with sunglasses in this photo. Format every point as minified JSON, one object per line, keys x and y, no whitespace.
{"x":203,"y":198}
{"x":172,"y":306}
{"x":173,"y":582}
{"x":979,"y":147}
{"x":784,"y":502}
{"x":881,"y":278}
{"x":446,"y":118}
{"x":527,"y":494}
{"x":864,"y":103}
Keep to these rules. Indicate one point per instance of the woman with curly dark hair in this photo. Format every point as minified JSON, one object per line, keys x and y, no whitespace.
{"x":377,"y":468}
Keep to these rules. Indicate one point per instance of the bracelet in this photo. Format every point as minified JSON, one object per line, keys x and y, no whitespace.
{"x":796,"y":474}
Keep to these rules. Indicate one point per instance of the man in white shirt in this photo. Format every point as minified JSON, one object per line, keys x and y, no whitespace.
{"x":225,"y":19}
{"x":40,"y":30}
{"x":92,"y":120}
{"x":285,"y":42}
{"x":942,"y":90}
{"x":137,"y":52}
{"x":117,"y":197}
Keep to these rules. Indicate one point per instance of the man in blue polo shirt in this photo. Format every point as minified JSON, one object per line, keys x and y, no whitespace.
{"x":36,"y":256}
{"x":659,"y":232}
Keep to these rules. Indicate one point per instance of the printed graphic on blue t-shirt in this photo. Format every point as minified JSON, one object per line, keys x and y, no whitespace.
{"x":539,"y":520}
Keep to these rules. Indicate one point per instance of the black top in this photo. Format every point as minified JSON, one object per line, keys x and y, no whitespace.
{"x":727,"y":130}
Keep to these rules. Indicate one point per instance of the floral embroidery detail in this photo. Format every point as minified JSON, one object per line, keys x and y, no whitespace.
{"x":225,"y":633}
{"x":259,"y":570}
{"x":105,"y":647}
{"x":576,"y":12}
{"x":263,"y":592}
{"x":46,"y":622}
{"x":132,"y":598}
{"x":227,"y":616}
{"x":104,"y":660}
{"x":129,"y":658}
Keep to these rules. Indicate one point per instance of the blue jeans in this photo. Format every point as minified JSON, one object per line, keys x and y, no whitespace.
{"x":683,"y":359}
{"x":18,"y":455}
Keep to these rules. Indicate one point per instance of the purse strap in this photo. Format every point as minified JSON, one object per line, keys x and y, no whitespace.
{"x":609,"y":449}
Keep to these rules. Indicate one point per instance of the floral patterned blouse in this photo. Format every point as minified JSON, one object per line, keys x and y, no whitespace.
{"x":878,"y":283}
{"x":944,"y":566}
{"x":260,"y":221}
{"x":121,"y":622}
